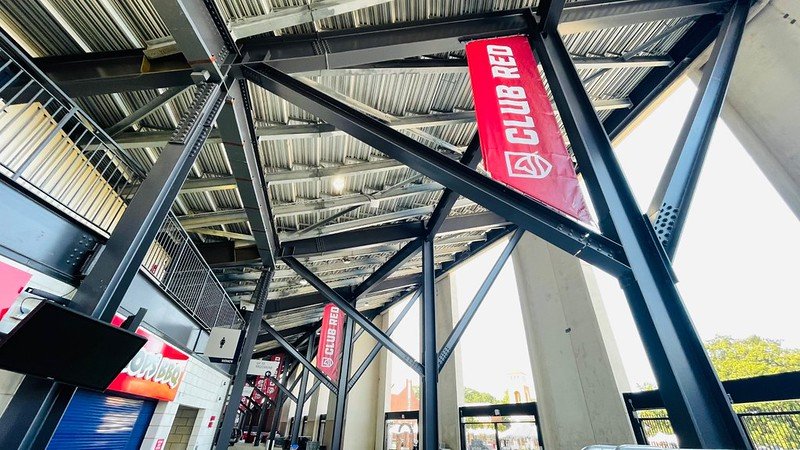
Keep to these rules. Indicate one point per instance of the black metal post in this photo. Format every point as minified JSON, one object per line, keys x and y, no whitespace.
{"x":466,"y":318}
{"x":670,"y":205}
{"x":286,"y":391}
{"x":377,"y":348}
{"x":698,"y":407}
{"x":301,"y":396}
{"x":276,"y":414}
{"x":337,"y":439}
{"x":251,"y":333}
{"x":429,"y":402}
{"x":352,"y":312}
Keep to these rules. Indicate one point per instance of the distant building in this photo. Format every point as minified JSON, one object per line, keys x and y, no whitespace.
{"x":405,"y":400}
{"x":519,"y":388}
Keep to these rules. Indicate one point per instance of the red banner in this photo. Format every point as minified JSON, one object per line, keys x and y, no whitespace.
{"x":155,"y":372}
{"x":330,"y":341}
{"x":266,"y":385}
{"x":521,"y":142}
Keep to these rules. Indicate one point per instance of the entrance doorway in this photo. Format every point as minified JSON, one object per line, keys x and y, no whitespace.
{"x":500,"y":427}
{"x":401,"y":430}
{"x":182,"y":427}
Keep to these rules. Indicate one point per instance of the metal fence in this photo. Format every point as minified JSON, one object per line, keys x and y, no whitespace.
{"x":174,"y":261}
{"x":767,"y":406}
{"x":51,"y":149}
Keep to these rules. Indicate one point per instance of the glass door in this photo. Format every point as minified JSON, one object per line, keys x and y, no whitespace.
{"x":401,"y":430}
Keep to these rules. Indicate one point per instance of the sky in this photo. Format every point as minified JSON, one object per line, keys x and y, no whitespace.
{"x":736,"y":262}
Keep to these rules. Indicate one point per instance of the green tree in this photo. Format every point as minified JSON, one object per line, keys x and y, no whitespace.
{"x":751,"y":357}
{"x":474,"y":396}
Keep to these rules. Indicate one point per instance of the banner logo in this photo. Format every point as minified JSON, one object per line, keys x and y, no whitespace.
{"x":527,"y":165}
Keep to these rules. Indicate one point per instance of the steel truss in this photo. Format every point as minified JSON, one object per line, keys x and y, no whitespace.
{"x":626,"y":246}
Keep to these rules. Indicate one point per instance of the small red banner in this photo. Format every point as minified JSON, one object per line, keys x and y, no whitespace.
{"x":330,"y":341}
{"x":521,"y":142}
{"x":155,"y":372}
{"x":266,"y":385}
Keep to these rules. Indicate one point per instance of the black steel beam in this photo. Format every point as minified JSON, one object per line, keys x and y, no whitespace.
{"x":699,"y":410}
{"x":337,"y":439}
{"x":332,"y":296}
{"x":286,"y":391}
{"x":299,"y":357}
{"x":101,"y":292}
{"x":377,"y":347}
{"x":458,"y":331}
{"x":673,"y":197}
{"x":301,"y":399}
{"x":383,"y":272}
{"x":145,"y":111}
{"x":352,"y":239}
{"x":470,"y":158}
{"x":694,"y":42}
{"x":564,"y":233}
{"x":238,"y":136}
{"x":240,"y":375}
{"x":99,"y":73}
{"x":355,"y":47}
{"x":429,"y":403}
{"x":549,"y":12}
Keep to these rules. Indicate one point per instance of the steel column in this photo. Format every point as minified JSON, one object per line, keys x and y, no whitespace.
{"x":698,"y":407}
{"x":469,"y":313}
{"x":286,"y":391}
{"x":276,"y":415}
{"x":251,"y":334}
{"x":670,"y":205}
{"x":101,"y":292}
{"x":377,"y":348}
{"x":353,"y":313}
{"x":337,"y":439}
{"x":470,"y":158}
{"x":529,"y":214}
{"x":429,"y":404}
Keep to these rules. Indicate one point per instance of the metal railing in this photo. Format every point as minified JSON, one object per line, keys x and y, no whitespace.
{"x":49,"y":147}
{"x":768,"y":408}
{"x":176,"y":264}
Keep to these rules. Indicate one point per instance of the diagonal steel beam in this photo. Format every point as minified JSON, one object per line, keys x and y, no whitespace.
{"x":377,"y":347}
{"x":298,"y":356}
{"x":670,"y":205}
{"x":458,"y":331}
{"x":284,"y":389}
{"x":526,"y":212}
{"x":353,"y":313}
{"x":146,"y":110}
{"x":385,"y":270}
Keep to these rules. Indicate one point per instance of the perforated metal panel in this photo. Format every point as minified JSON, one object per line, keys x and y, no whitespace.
{"x":99,"y":421}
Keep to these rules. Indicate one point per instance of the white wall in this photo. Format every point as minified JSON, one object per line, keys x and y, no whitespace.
{"x":203,"y":388}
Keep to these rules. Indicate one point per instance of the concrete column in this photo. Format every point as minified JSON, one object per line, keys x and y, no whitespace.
{"x":363,"y":400}
{"x":383,"y":395}
{"x":576,"y":366}
{"x":451,"y":385}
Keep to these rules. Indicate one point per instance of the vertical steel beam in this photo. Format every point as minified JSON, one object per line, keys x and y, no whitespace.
{"x":549,"y":12}
{"x":251,"y":333}
{"x":337,"y":441}
{"x":696,"y":402}
{"x":101,"y":292}
{"x":276,"y":413}
{"x":301,"y":396}
{"x":430,"y":375}
{"x":469,"y":313}
{"x":670,"y":205}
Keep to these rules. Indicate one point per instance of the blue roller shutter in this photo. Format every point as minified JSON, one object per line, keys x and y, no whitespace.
{"x":101,"y":421}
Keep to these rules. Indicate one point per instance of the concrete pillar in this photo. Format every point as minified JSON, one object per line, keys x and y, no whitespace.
{"x":451,"y":385}
{"x":362,"y":402}
{"x":383,"y":396}
{"x":577,"y":370}
{"x":761,"y":107}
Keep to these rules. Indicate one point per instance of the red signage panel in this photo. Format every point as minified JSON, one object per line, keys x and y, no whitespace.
{"x":330,"y":341}
{"x":266,"y":385}
{"x":521,"y":142}
{"x":12,"y":282}
{"x":155,"y":372}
